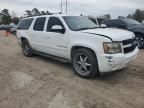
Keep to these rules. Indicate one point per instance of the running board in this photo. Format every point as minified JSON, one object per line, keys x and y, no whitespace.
{"x":52,"y":57}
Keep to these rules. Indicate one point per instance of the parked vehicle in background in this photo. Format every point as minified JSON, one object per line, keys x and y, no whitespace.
{"x":0,"y":27}
{"x":77,"y":39}
{"x":143,"y":22}
{"x":13,"y":28}
{"x":131,"y":25}
{"x":5,"y":27}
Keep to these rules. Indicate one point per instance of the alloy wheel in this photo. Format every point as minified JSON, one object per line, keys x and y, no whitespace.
{"x":140,"y":41}
{"x":82,"y":64}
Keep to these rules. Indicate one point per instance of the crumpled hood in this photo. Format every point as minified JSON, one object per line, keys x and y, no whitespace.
{"x":114,"y":34}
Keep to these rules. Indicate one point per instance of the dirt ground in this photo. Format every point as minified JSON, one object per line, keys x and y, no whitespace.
{"x":39,"y":82}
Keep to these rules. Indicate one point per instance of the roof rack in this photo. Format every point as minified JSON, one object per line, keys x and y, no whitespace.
{"x":41,"y":15}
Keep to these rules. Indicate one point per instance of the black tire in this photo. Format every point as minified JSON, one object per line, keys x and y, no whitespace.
{"x":26,"y":48}
{"x":140,"y":40}
{"x":88,"y":63}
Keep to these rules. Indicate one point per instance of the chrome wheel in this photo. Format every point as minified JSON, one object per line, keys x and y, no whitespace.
{"x":140,"y":41}
{"x":82,"y":64}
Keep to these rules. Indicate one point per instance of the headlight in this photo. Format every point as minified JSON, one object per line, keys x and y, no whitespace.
{"x":112,"y":47}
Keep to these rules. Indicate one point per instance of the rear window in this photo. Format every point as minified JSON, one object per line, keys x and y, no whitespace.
{"x":25,"y":24}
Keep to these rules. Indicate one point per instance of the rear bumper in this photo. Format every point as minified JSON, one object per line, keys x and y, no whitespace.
{"x":113,"y":62}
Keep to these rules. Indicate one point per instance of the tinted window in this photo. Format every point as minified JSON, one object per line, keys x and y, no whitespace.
{"x":79,"y":23}
{"x":131,"y":22}
{"x":39,"y":24}
{"x":25,"y":24}
{"x":115,"y":23}
{"x":53,"y":21}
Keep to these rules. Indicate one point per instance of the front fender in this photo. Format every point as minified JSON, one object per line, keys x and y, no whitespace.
{"x":95,"y":47}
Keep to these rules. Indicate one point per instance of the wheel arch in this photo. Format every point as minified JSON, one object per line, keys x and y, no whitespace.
{"x":76,"y":47}
{"x":23,"y":38}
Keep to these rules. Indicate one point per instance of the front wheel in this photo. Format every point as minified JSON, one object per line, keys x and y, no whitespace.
{"x":140,"y":40}
{"x":85,"y":63}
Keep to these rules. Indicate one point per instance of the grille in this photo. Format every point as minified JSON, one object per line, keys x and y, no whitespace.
{"x":131,"y":43}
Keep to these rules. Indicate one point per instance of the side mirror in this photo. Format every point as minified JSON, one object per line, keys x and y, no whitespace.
{"x":58,"y":29}
{"x":103,"y":26}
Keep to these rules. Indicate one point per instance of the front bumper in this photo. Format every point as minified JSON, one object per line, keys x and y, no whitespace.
{"x":113,"y":62}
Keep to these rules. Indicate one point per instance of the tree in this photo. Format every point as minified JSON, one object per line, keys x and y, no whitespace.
{"x":6,"y":19}
{"x":5,"y":12}
{"x":16,"y":20}
{"x":35,"y":12}
{"x":130,"y":16}
{"x":48,"y":13}
{"x":138,"y":15}
{"x":28,"y":13}
{"x":43,"y":13}
{"x":121,"y":17}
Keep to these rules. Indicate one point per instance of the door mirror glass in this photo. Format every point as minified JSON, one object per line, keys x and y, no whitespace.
{"x":103,"y":26}
{"x":58,"y":28}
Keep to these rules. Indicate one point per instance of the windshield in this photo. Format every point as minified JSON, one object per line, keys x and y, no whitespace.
{"x":131,"y":22}
{"x":76,"y":23}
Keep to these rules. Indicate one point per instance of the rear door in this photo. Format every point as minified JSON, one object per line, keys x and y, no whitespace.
{"x":37,"y":34}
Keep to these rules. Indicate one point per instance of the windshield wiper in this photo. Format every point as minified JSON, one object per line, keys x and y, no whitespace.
{"x":85,"y":28}
{"x":93,"y":27}
{"x":81,"y":29}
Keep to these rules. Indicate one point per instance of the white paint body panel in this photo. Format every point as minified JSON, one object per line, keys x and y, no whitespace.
{"x":60,"y":45}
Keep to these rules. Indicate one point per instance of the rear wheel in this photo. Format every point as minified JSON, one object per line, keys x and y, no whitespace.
{"x":85,"y":63}
{"x":140,"y":40}
{"x":26,"y":48}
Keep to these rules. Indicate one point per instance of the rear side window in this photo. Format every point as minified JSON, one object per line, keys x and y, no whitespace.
{"x":39,"y":24}
{"x":25,"y":24}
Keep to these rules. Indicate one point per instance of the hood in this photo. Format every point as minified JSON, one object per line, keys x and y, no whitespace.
{"x":113,"y":34}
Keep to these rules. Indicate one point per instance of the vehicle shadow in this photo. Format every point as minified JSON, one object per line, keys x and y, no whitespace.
{"x":68,"y":66}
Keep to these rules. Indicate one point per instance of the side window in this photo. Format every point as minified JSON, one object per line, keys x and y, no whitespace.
{"x":55,"y":25}
{"x":39,"y":24}
{"x":118,"y":24}
{"x":121,"y":24}
{"x":25,"y":24}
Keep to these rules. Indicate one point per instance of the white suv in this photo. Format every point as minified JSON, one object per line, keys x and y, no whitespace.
{"x":76,"y":39}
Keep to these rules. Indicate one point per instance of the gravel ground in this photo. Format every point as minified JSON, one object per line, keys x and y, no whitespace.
{"x":40,"y":82}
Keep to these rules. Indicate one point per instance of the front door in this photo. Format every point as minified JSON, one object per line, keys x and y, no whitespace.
{"x":56,"y":38}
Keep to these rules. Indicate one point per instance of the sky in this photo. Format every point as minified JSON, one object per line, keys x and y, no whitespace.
{"x":76,"y":7}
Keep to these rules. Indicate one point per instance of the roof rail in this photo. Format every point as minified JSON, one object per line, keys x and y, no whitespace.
{"x":41,"y":15}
